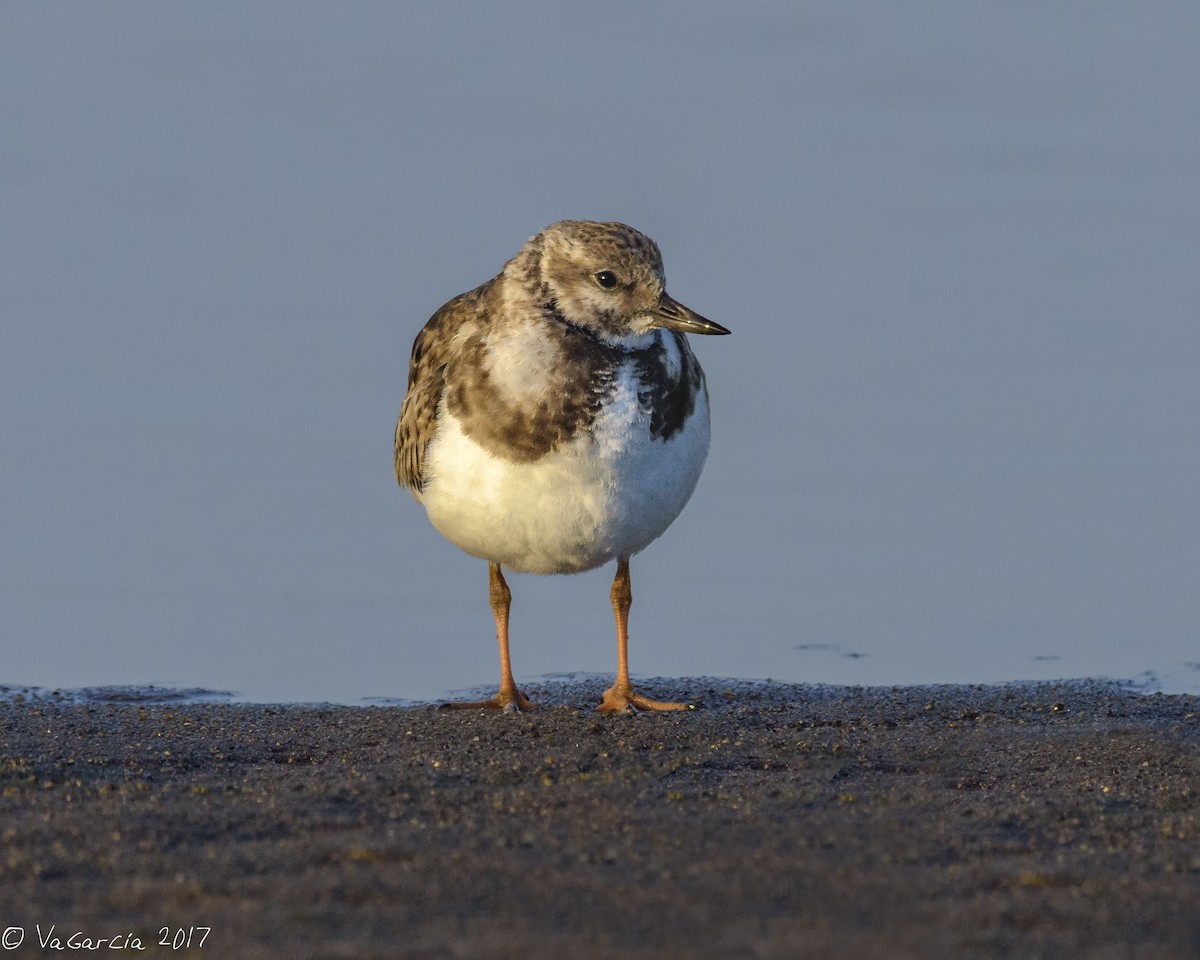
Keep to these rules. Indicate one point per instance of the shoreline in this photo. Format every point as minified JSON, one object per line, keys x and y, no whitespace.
{"x":778,"y":820}
{"x":568,"y":689}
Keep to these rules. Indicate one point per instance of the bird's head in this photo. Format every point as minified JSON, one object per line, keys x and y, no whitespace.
{"x":608,"y":279}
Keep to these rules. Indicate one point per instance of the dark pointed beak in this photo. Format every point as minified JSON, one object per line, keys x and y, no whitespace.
{"x":673,"y":315}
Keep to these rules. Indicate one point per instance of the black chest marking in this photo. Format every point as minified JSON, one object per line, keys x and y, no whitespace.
{"x":571,"y":397}
{"x":669,"y":400}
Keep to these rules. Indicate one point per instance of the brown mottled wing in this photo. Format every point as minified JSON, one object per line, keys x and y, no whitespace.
{"x":418,"y":415}
{"x":431,"y":354}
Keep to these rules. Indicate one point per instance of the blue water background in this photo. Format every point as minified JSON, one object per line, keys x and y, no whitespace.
{"x":956,"y":430}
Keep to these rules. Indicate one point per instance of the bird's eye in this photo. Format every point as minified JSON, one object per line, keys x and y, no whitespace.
{"x":607,"y":279}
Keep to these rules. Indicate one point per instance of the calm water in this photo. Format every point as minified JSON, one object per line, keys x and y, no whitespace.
{"x":956,"y":430}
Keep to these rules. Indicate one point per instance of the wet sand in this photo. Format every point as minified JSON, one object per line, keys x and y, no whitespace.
{"x":774,"y":821}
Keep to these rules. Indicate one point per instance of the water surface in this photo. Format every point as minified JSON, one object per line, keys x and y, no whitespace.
{"x":955,"y":434}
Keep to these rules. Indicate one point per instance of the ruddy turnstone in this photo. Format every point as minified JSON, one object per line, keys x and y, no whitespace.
{"x":556,"y":418}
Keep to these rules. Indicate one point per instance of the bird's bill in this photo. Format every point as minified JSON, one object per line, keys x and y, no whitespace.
{"x":673,"y":315}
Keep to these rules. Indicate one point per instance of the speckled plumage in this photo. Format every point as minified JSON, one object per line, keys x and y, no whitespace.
{"x":448,"y":360}
{"x":556,"y":417}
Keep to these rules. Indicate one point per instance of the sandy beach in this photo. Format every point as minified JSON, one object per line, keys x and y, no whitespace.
{"x":1026,"y":821}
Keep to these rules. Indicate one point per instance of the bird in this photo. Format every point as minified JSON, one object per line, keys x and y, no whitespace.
{"x":556,"y":419}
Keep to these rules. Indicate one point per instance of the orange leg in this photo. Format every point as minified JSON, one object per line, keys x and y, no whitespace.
{"x":509,"y":697}
{"x":620,"y":698}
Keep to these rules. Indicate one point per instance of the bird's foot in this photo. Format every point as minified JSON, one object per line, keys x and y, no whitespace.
{"x":620,"y":698}
{"x":510,"y":701}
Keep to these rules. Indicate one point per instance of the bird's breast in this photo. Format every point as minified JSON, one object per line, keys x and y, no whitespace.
{"x":608,"y":485}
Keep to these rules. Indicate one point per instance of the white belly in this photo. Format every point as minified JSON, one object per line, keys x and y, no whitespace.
{"x":601,"y":496}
